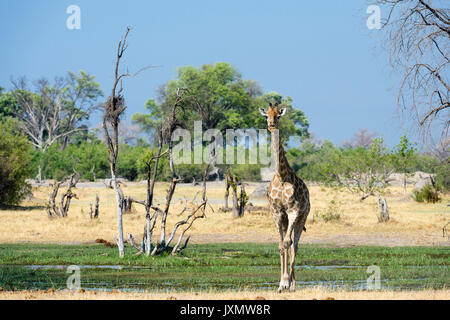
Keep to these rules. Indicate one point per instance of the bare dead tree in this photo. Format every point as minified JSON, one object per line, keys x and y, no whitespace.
{"x":440,"y":150}
{"x":93,"y":214}
{"x":62,"y":210}
{"x":240,"y":201}
{"x":113,"y":110}
{"x":194,"y":217}
{"x":227,"y":187}
{"x":127,"y":204}
{"x":52,"y":111}
{"x":164,"y":138}
{"x":445,"y":231}
{"x":417,"y":36}
{"x":361,"y":138}
{"x":384,"y":211}
{"x":40,"y":111}
{"x":148,"y":203}
{"x":97,"y":200}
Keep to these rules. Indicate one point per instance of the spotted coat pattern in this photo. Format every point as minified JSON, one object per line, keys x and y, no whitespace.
{"x":289,"y":203}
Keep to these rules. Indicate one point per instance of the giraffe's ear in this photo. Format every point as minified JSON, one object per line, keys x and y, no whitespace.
{"x":263,"y":112}
{"x":281,"y":112}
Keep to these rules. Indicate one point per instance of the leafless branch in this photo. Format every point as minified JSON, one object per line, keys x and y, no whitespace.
{"x":418,"y":38}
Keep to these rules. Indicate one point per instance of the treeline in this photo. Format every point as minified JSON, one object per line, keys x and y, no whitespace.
{"x":364,"y":168}
{"x":324,"y":162}
{"x":90,"y":159}
{"x":52,"y":117}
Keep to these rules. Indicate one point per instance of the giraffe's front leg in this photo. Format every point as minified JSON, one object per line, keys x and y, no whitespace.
{"x":284,"y":280}
{"x":292,"y":215}
{"x":288,"y":243}
{"x":284,"y":277}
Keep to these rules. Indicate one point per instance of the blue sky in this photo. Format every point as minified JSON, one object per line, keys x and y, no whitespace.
{"x":318,"y":52}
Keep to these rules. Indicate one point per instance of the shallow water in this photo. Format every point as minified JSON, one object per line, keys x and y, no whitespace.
{"x":136,"y":278}
{"x":119,"y":267}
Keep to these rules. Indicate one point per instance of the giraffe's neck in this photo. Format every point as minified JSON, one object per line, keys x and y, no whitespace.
{"x":281,"y":164}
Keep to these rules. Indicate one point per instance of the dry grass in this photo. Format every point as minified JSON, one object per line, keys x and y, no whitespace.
{"x":318,"y":293}
{"x":411,"y":223}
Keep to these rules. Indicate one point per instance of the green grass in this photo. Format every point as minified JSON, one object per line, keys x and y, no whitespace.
{"x":222,"y":266}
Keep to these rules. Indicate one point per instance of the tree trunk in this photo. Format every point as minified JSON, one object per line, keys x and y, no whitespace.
{"x":384,"y":211}
{"x":227,"y":193}
{"x":127,"y":204}
{"x":96,"y":206}
{"x":119,"y":202}
{"x":404,"y":181}
{"x":148,"y":236}
{"x":166,"y":211}
{"x":242,"y":201}
{"x":93,"y":173}
{"x":65,"y":139}
{"x":226,"y":200}
{"x":39,"y":175}
{"x":227,"y":187}
{"x":236,"y":209}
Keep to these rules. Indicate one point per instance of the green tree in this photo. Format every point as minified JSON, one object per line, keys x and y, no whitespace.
{"x":127,"y":162}
{"x":7,"y":104}
{"x":14,"y":158}
{"x":221,"y":99}
{"x":52,"y":112}
{"x":79,"y":98}
{"x":443,"y":174}
{"x":150,"y":121}
{"x":360,"y":170}
{"x":403,"y":154}
{"x":89,"y":158}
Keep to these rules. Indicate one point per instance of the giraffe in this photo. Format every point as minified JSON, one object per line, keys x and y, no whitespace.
{"x":288,"y":199}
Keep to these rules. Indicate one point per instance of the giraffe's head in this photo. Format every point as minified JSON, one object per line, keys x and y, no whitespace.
{"x":272,"y":114}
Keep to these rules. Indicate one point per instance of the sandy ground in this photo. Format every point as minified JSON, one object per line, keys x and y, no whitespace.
{"x":411,"y":223}
{"x":303,"y":294}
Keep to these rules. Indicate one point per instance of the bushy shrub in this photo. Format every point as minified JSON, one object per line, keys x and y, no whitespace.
{"x":127,"y":162}
{"x":428,"y":193}
{"x":90,"y":158}
{"x":443,"y":175}
{"x":332,"y":213}
{"x":247,"y":172}
{"x":15,"y":154}
{"x":163,"y":165}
